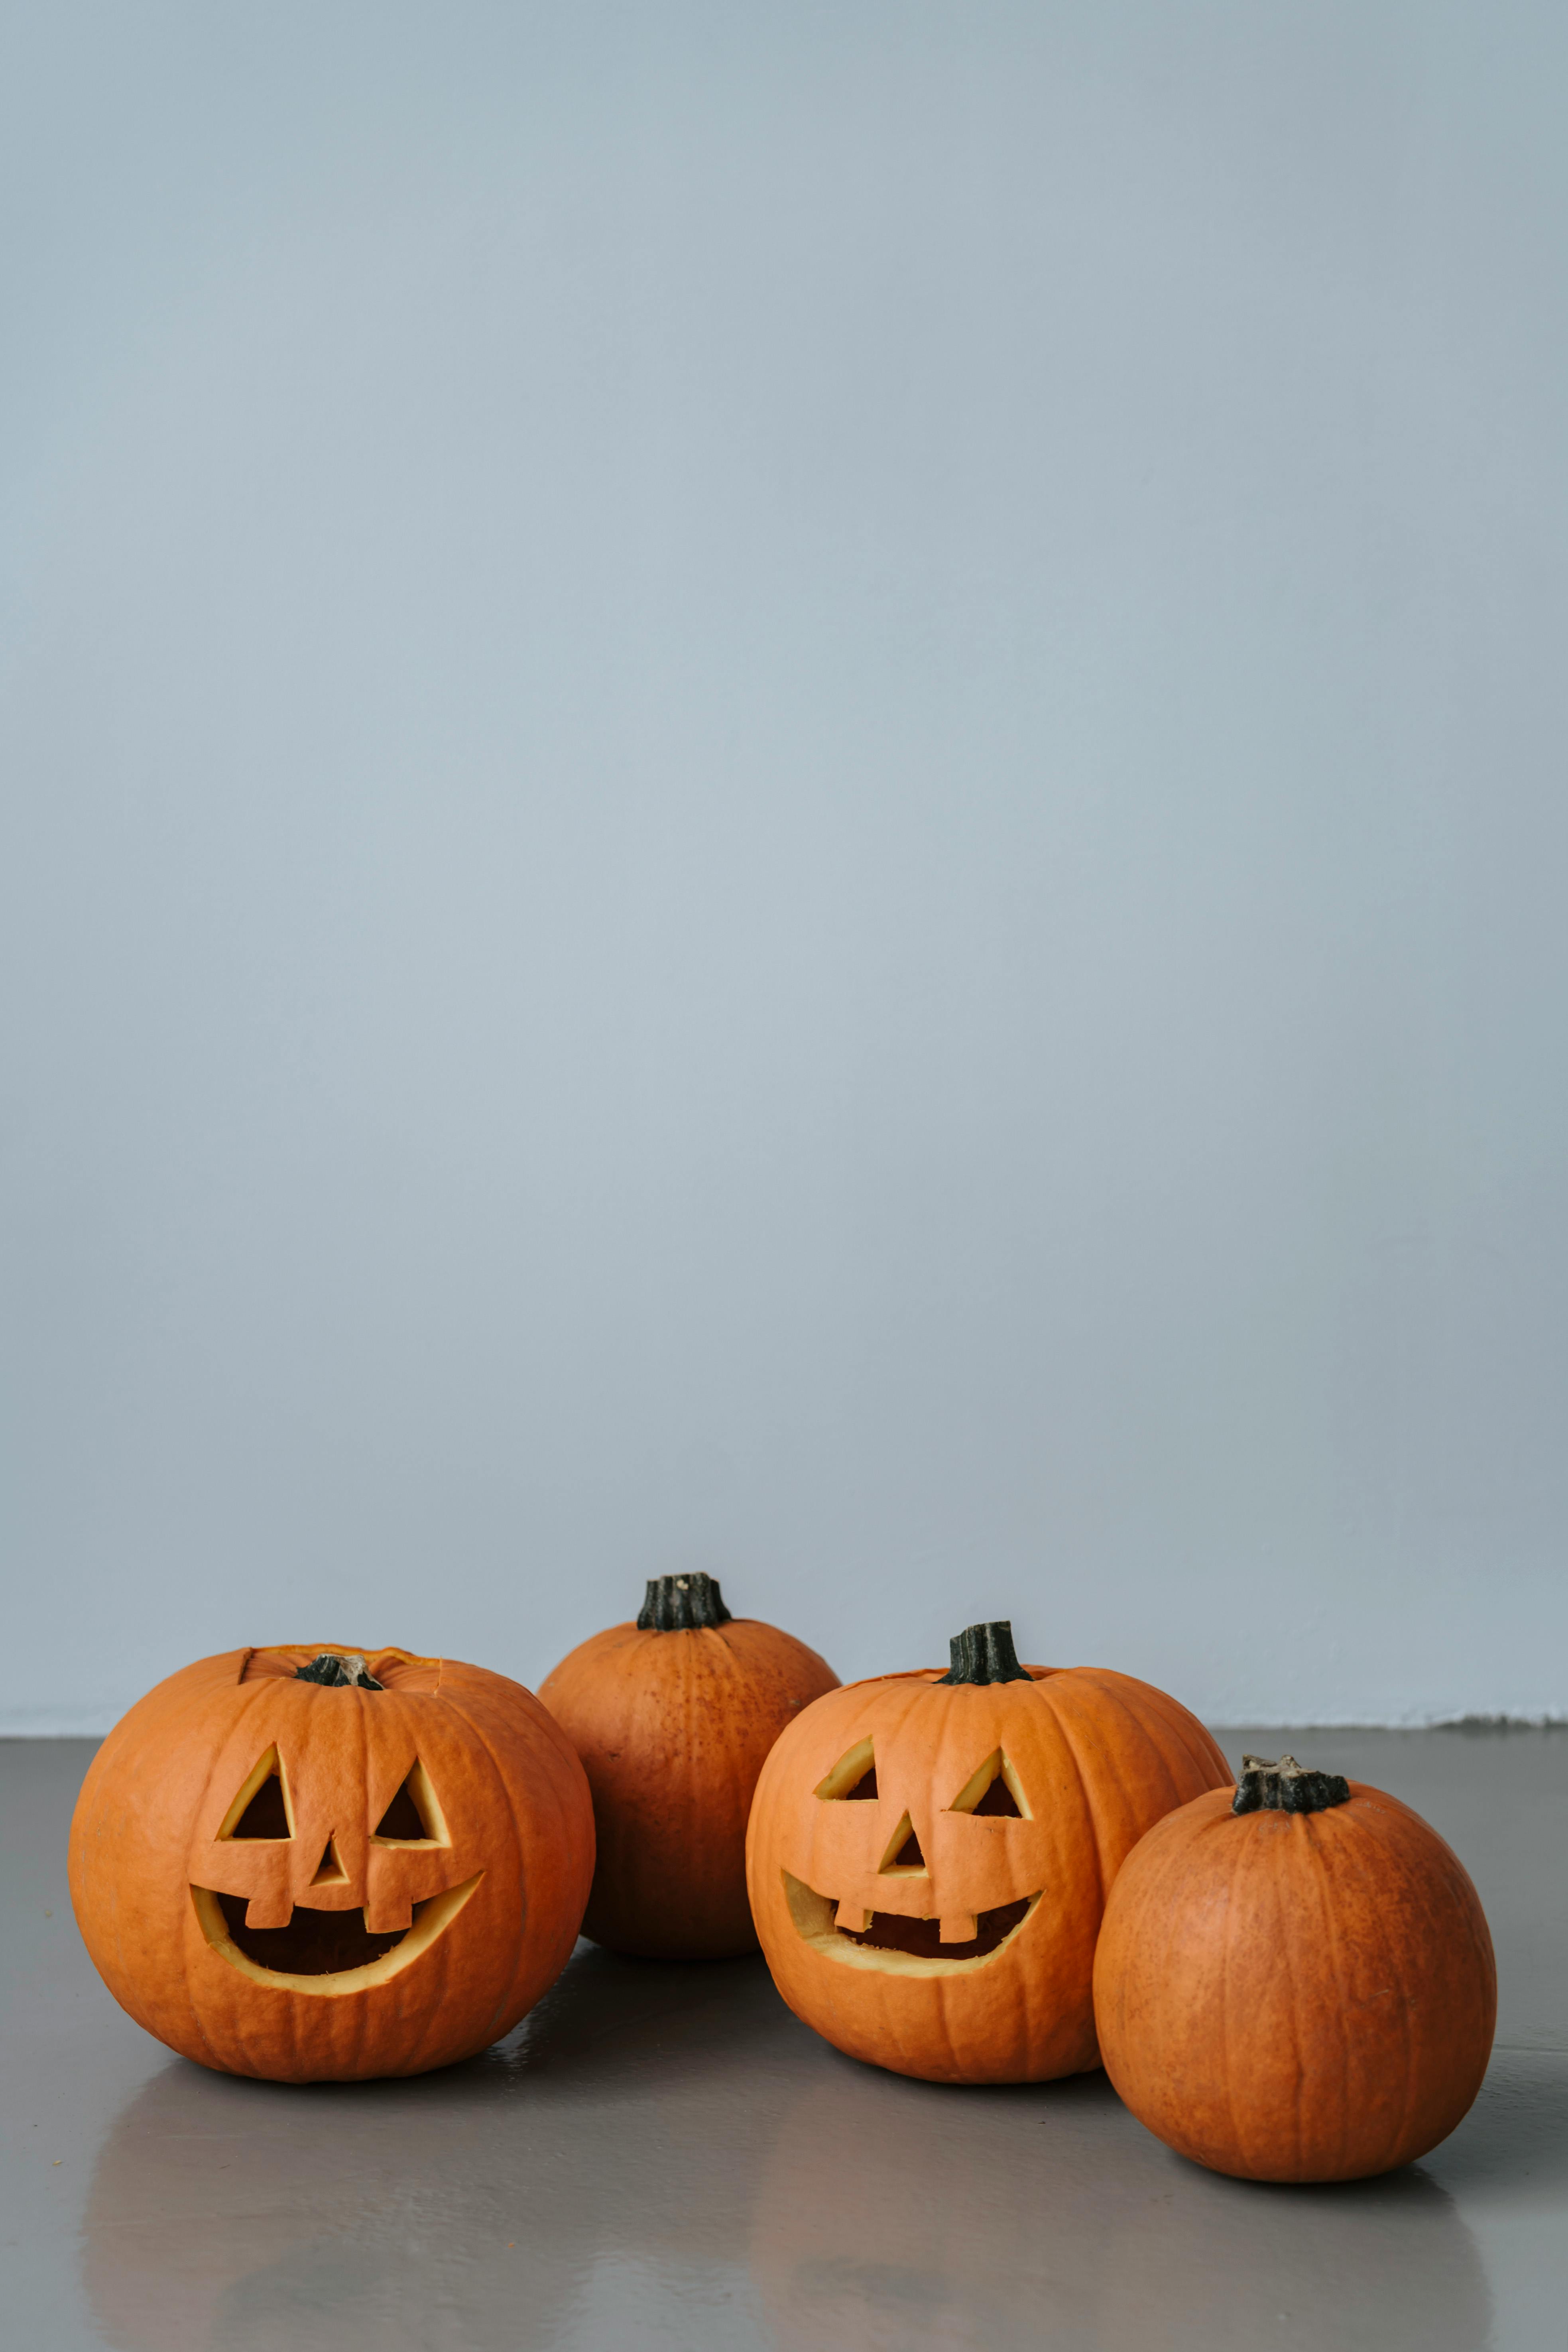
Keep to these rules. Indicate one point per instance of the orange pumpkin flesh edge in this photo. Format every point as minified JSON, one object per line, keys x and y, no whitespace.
{"x":672,"y":1726}
{"x":1295,"y":1995}
{"x":1094,"y":1758}
{"x":460,"y":1931}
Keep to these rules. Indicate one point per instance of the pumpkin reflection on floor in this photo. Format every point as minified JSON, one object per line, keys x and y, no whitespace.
{"x":966,"y":2220}
{"x":618,"y":2130}
{"x":672,"y":2131}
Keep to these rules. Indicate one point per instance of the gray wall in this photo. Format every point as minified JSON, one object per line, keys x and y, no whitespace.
{"x":784,"y":791}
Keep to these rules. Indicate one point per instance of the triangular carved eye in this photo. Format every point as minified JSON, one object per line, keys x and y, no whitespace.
{"x":994,"y":1788}
{"x":854,"y":1775}
{"x":260,"y":1807}
{"x":414,"y":1817}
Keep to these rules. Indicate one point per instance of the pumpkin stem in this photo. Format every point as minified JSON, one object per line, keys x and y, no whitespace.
{"x":985,"y":1653}
{"x":682,"y":1604}
{"x":1286,"y":1788}
{"x":338,"y":1672}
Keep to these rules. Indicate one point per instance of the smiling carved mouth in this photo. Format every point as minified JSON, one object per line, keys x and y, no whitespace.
{"x":324,"y":1951}
{"x":313,"y":1944}
{"x":889,"y":1933}
{"x":901,"y":1945}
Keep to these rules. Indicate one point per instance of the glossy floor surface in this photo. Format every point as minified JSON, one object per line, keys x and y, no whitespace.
{"x":662,"y":2156}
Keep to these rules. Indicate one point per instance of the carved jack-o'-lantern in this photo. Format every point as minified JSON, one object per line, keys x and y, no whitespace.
{"x":929,"y":1855}
{"x":296,"y":1864}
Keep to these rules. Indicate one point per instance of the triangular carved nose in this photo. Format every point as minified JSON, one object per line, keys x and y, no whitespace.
{"x":330,"y":1871}
{"x":903,"y":1856}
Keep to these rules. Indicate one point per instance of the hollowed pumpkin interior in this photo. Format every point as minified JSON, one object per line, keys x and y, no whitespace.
{"x":313,"y":1944}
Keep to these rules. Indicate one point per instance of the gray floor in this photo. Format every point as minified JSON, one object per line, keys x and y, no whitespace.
{"x":663,"y":2155}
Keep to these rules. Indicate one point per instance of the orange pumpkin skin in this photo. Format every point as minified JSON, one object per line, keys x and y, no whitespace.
{"x":490,"y":1905}
{"x":672,"y":1728}
{"x":1295,"y":1995}
{"x":1095,"y":1757}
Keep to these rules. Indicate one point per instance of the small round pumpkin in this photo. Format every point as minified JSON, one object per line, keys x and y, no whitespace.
{"x":1295,"y":1981}
{"x":929,"y":1854}
{"x":309,"y":1866}
{"x":672,"y":1717}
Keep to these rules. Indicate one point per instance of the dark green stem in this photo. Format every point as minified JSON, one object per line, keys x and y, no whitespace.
{"x":985,"y":1653}
{"x":1286,"y":1788}
{"x":682,"y":1604}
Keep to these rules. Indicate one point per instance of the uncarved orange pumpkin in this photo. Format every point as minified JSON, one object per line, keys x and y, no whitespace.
{"x":1295,"y":1980}
{"x":929,"y":1854}
{"x":672,"y":1717}
{"x":309,"y":1866}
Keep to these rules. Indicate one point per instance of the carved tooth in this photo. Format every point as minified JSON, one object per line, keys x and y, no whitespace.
{"x":958,"y":1927}
{"x":274,"y":1910}
{"x":386,"y":1914}
{"x":854,"y":1916}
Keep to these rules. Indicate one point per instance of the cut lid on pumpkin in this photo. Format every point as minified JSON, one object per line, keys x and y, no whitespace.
{"x":389,"y":1669}
{"x":337,"y":1671}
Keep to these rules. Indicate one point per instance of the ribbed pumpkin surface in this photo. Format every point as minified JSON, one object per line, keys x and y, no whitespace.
{"x":1089,"y":1759}
{"x":162,"y":1880}
{"x":672,"y":1728}
{"x":1295,"y":1995}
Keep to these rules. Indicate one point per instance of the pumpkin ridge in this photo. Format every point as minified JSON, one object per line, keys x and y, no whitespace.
{"x":1168,"y":1861}
{"x":652,"y":1705}
{"x":1065,"y":1727}
{"x":739,"y":1735}
{"x":525,"y":1892}
{"x":1393,"y":1862}
{"x":1238,"y":1871}
{"x":1203,"y":1751}
{"x":466,"y":1705}
{"x":1330,"y":1938}
{"x":1137,"y":1714}
{"x":1394,"y":1851}
{"x":1371,"y":1889}
{"x":1285,"y":1942}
